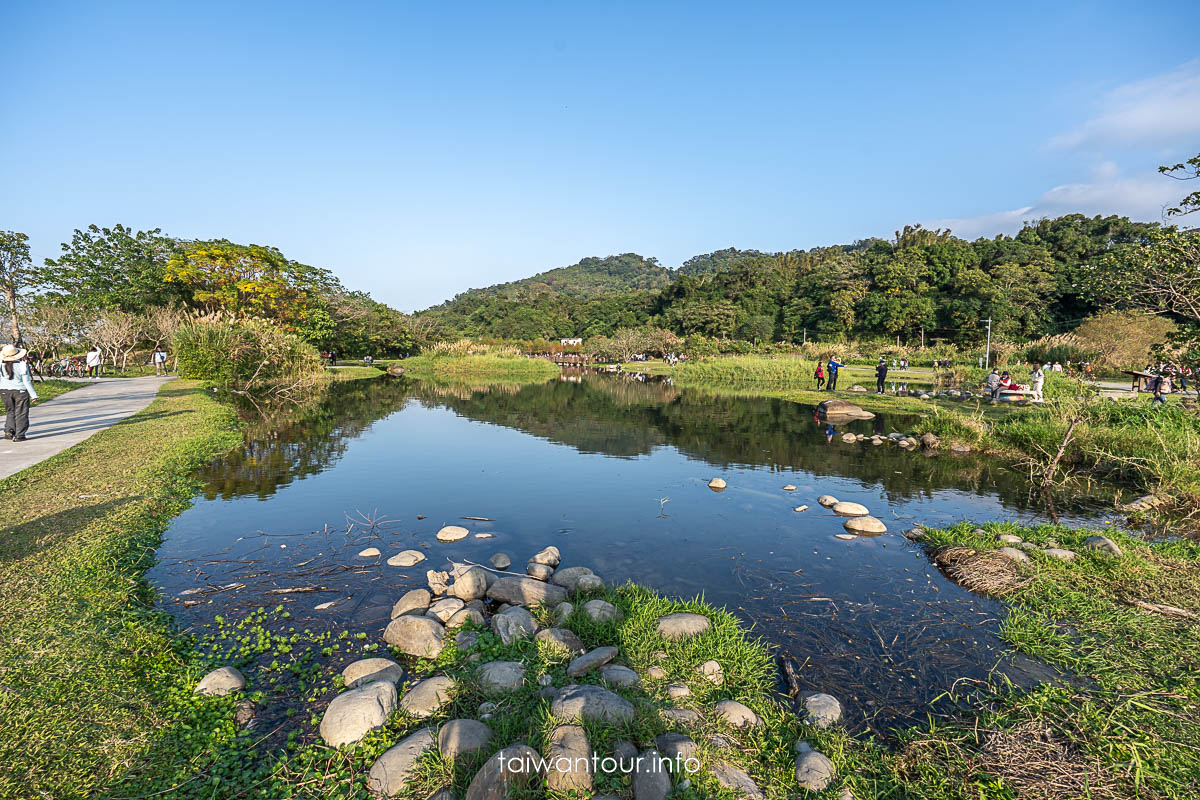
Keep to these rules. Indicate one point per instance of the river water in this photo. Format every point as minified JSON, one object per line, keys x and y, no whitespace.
{"x":614,"y":471}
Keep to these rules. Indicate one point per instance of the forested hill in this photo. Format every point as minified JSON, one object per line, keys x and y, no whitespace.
{"x":919,"y":281}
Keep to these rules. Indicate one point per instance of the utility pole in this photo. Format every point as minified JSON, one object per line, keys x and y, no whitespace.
{"x":922,"y":338}
{"x":805,"y":341}
{"x":987,"y":356}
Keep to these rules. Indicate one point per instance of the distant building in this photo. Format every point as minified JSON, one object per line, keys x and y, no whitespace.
{"x":570,"y":342}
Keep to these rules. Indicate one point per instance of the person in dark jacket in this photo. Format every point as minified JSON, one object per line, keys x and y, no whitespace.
{"x":880,"y":376}
{"x":833,"y":366}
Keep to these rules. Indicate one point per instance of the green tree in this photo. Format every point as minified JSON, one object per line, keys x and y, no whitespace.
{"x":757,"y":328}
{"x":16,"y":273}
{"x":113,"y":269}
{"x":1185,"y":171}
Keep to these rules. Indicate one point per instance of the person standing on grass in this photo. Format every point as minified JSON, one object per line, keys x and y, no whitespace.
{"x":16,"y":390}
{"x":819,"y":376}
{"x":992,"y":384}
{"x":94,"y":359}
{"x":833,"y":366}
{"x":160,"y":360}
{"x":880,"y":376}
{"x":1038,"y":376}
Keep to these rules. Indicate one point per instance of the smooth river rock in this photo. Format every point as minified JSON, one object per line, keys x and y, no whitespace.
{"x":619,"y":676}
{"x":445,"y":609}
{"x":652,"y":780}
{"x":682,"y":625}
{"x":589,"y":584}
{"x":452,"y":533}
{"x":539,"y":572}
{"x":736,"y":780}
{"x":366,"y":670}
{"x":561,"y":639}
{"x":221,"y":682}
{"x":353,"y":714}
{"x":1102,"y":544}
{"x":712,"y":671}
{"x":603,"y":611}
{"x":586,"y":701}
{"x":590,"y":661}
{"x":813,"y":770}
{"x":865,"y":526}
{"x":550,"y":557}
{"x":369,"y":552}
{"x":470,"y":585}
{"x":676,"y":746}
{"x":465,"y":615}
{"x":568,"y":577}
{"x":1060,"y":553}
{"x":526,"y":591}
{"x":827,"y":501}
{"x":427,"y":697}
{"x":502,"y":676}
{"x":413,"y":602}
{"x":391,"y":770}
{"x":406,"y":558}
{"x":513,"y":624}
{"x":514,"y":766}
{"x":717,"y":484}
{"x":1014,"y":554}
{"x":500,"y":561}
{"x":845,"y":508}
{"x":822,"y":710}
{"x":461,"y":737}
{"x":569,"y":758}
{"x":737,"y":714}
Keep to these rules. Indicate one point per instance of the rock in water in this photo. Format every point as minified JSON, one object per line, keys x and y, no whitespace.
{"x":569,"y":758}
{"x":452,"y":533}
{"x":366,"y":670}
{"x":827,"y":501}
{"x":823,"y":710}
{"x":839,"y":412}
{"x":502,"y":676}
{"x":586,"y":701}
{"x":682,"y":625}
{"x":1103,"y":544}
{"x":717,"y":484}
{"x":393,"y":768}
{"x":526,"y":591}
{"x":845,"y":508}
{"x":652,"y":780}
{"x":865,"y":526}
{"x":353,"y":714}
{"x":813,"y":770}
{"x":512,"y":767}
{"x":737,"y":714}
{"x":500,"y":561}
{"x":221,"y":682}
{"x":590,"y":661}
{"x":470,"y":585}
{"x":513,"y":624}
{"x":461,"y":737}
{"x":561,"y":639}
{"x":789,"y":488}
{"x":550,"y":557}
{"x":414,"y":602}
{"x":415,"y":636}
{"x":369,"y":552}
{"x":425,"y":698}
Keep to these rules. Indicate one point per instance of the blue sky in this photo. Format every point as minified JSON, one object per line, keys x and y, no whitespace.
{"x":418,"y":150}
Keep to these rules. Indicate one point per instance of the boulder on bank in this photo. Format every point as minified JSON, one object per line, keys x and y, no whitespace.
{"x":416,"y":636}
{"x":514,"y":766}
{"x":391,"y":770}
{"x":838,"y":412}
{"x":586,"y":701}
{"x":367,"y":670}
{"x":822,"y":710}
{"x":513,"y":624}
{"x":602,"y":611}
{"x":568,"y":577}
{"x":570,"y":757}
{"x":353,"y":714}
{"x":737,"y":714}
{"x":1102,"y":544}
{"x":502,"y":676}
{"x":814,"y":770}
{"x":426,"y":697}
{"x":221,"y":682}
{"x":521,"y":591}
{"x":561,"y":639}
{"x":460,"y":737}
{"x":413,"y":602}
{"x":682,"y":624}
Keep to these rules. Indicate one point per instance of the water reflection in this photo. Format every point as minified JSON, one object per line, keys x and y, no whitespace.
{"x":614,"y":472}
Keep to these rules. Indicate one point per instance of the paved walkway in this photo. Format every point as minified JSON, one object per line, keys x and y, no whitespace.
{"x":70,"y":418}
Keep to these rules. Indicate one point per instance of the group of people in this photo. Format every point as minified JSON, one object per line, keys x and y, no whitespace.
{"x":829,"y":368}
{"x":997,"y":382}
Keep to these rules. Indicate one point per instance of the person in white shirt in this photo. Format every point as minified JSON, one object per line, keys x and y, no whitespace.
{"x":94,"y":359}
{"x":1039,"y":379}
{"x":160,"y":360}
{"x":16,"y":391}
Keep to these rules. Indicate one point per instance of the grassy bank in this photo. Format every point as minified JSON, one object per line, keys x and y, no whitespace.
{"x":84,"y":655}
{"x":478,"y":367}
{"x":49,"y":389}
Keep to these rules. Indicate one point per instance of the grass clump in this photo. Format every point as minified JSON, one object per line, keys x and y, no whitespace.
{"x":470,"y":361}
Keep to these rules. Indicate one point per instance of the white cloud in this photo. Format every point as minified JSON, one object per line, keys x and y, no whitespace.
{"x":1140,"y":198}
{"x":1162,"y":111}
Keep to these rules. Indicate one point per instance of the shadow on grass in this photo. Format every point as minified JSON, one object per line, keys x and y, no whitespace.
{"x":36,"y":535}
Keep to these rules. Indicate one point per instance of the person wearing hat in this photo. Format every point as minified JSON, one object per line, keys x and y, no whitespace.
{"x":16,"y":390}
{"x":880,"y":376}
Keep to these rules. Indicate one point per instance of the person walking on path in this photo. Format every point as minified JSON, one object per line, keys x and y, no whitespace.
{"x":16,"y":390}
{"x":94,"y":359}
{"x":833,"y":366}
{"x":160,"y":360}
{"x":1039,"y":380}
{"x":880,"y":376}
{"x":819,"y":376}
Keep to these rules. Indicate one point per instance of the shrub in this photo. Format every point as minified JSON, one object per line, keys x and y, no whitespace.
{"x":244,"y":354}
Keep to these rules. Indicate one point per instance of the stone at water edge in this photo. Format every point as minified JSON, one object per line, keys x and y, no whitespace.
{"x":593,"y":659}
{"x":682,"y":624}
{"x":502,"y":676}
{"x":391,"y":770}
{"x":470,"y":585}
{"x":561,"y":639}
{"x":652,"y":780}
{"x":865,"y":526}
{"x":1060,"y":553}
{"x":789,"y":488}
{"x":959,"y":448}
{"x":438,"y":582}
{"x":526,"y":591}
{"x":500,"y":561}
{"x":730,"y":777}
{"x":845,"y":508}
{"x":619,"y":676}
{"x":415,"y":636}
{"x":717,"y":484}
{"x":462,"y":737}
{"x":221,"y":682}
{"x":849,"y":438}
{"x":737,"y":714}
{"x":406,"y":558}
{"x":1103,"y":544}
{"x":814,"y":770}
{"x":589,"y":584}
{"x":513,"y":624}
{"x":826,"y":501}
{"x":568,"y":577}
{"x":798,"y":509}
{"x":445,"y":609}
{"x":452,"y":533}
{"x":515,"y":765}
{"x":366,"y":670}
{"x":428,"y":696}
{"x":353,"y":714}
{"x":370,"y":552}
{"x":1013,"y":553}
{"x":586,"y":701}
{"x":929,"y":441}
{"x":562,"y":611}
{"x":415,"y":601}
{"x":603,"y":611}
{"x":1008,"y":538}
{"x":822,"y":710}
{"x":539,"y":572}
{"x":569,"y":756}
{"x":549,"y":556}
{"x":849,"y":537}
{"x":712,"y":671}
{"x":465,"y":615}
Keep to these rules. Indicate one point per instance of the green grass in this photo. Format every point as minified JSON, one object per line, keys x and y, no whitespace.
{"x":51,"y":388}
{"x":479,"y":367}
{"x":84,"y":655}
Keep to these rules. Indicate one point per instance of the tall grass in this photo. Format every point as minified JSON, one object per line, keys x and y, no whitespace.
{"x":465,"y":360}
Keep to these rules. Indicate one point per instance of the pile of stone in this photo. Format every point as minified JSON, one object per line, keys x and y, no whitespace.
{"x":859,"y":522}
{"x":1016,"y":549}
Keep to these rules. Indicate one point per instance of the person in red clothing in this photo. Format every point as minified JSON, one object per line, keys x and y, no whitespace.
{"x":819,"y":375}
